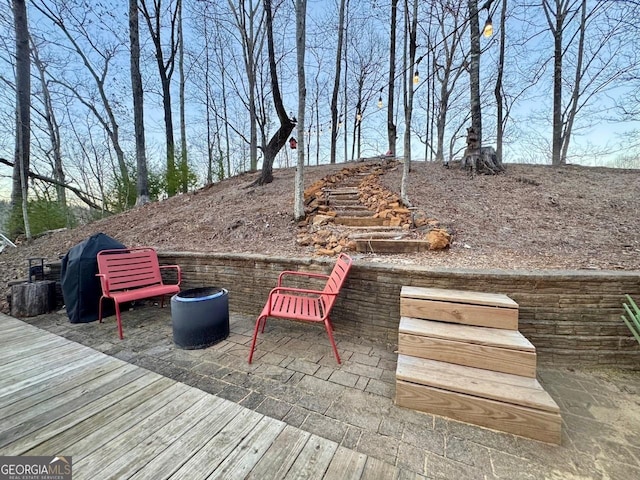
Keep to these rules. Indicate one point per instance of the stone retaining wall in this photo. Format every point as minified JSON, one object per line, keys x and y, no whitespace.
{"x":570,"y":316}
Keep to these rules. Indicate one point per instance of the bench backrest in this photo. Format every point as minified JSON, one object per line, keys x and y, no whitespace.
{"x":336,"y":279}
{"x":130,"y":268}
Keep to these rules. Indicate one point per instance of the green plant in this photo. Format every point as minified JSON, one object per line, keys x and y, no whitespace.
{"x":633,"y":322}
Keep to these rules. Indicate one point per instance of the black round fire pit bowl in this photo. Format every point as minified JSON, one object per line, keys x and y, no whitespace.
{"x":200,"y":317}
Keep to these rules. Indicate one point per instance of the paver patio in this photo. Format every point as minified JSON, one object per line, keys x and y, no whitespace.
{"x":295,"y":378}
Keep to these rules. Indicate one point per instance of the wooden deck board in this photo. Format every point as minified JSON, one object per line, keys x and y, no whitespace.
{"x":119,"y":420}
{"x":57,"y":384}
{"x":314,"y":459}
{"x":283,"y":451}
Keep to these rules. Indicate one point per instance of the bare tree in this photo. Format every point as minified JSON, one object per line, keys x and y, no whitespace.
{"x":411,"y":26}
{"x":280,"y":137}
{"x":73,"y":24}
{"x":301,"y":14}
{"x":23,"y":117}
{"x":154,"y":19}
{"x":392,"y":132}
{"x":142,"y":176}
{"x":52,"y":127}
{"x":500,"y":120}
{"x":336,"y":83}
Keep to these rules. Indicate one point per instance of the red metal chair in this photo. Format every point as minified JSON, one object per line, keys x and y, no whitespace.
{"x":304,"y":304}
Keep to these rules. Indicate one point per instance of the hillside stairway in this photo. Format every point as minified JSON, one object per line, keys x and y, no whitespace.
{"x":460,"y":355}
{"x":369,"y":231}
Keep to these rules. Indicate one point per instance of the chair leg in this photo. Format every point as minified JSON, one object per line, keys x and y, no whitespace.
{"x":100,"y":310}
{"x":329,"y":327}
{"x":119,"y":320}
{"x":162,"y":301}
{"x":260,"y":319}
{"x":264,"y":323}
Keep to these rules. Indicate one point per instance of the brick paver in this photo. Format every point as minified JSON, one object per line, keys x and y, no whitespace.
{"x":294,"y":377}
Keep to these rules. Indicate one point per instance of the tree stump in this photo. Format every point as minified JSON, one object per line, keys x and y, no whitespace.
{"x":478,"y":159}
{"x":31,"y":299}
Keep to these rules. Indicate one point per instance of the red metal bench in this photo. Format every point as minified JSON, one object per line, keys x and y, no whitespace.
{"x":303,"y":304}
{"x":132,"y":274}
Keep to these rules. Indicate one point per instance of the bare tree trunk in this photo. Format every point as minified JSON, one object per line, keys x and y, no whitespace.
{"x":23,"y":119}
{"x":474,"y":70}
{"x":392,"y":132}
{"x":336,"y":85}
{"x":53,"y":129}
{"x":184,"y":163}
{"x":301,"y":13}
{"x":557,"y":30}
{"x":411,"y":24}
{"x":281,"y":136}
{"x":575,"y":96}
{"x":165,"y":70}
{"x":500,"y":121}
{"x":142,"y":175}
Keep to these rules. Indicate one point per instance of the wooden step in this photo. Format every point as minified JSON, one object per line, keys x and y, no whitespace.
{"x":359,"y":221}
{"x":391,"y":246}
{"x":342,"y":191}
{"x":352,"y":212}
{"x":505,"y":402}
{"x":495,"y":349}
{"x":458,"y":306}
{"x":396,"y":235}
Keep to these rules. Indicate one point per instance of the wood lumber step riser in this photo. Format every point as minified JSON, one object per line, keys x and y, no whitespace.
{"x":465,"y":314}
{"x":518,"y":420}
{"x":392,"y":246}
{"x":359,"y":221}
{"x":496,"y":359}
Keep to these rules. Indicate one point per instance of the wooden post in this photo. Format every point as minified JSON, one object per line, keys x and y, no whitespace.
{"x":31,"y":299}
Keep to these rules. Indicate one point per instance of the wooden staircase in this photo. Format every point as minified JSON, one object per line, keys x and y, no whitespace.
{"x":460,"y":355}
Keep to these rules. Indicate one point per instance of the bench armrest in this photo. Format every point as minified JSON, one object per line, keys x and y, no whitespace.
{"x":104,"y":283}
{"x":300,"y":274}
{"x":178,"y":269}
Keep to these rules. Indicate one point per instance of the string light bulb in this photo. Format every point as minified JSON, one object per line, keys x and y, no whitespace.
{"x":380,"y":101}
{"x":488,"y":28}
{"x":359,"y":116}
{"x":416,"y":77}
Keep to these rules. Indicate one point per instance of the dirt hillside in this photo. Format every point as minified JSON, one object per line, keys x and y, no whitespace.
{"x":531,"y":217}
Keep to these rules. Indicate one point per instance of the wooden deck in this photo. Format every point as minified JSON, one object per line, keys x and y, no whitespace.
{"x":117,"y":420}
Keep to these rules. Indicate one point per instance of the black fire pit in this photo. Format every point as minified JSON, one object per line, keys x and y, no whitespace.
{"x":200,"y":317}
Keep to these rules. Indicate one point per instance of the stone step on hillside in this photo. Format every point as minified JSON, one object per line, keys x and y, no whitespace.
{"x":495,"y":349}
{"x":505,"y":402}
{"x":459,"y":306}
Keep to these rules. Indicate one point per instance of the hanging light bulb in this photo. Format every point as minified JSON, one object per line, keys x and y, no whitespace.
{"x":416,"y":77}
{"x":359,"y":116}
{"x":340,"y":121}
{"x":488,"y":28}
{"x":380,"y":101}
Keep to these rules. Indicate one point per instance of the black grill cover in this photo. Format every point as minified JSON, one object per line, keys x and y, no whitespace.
{"x":80,"y":286}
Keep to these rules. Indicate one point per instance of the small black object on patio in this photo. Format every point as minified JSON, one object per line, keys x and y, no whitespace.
{"x":200,"y":317}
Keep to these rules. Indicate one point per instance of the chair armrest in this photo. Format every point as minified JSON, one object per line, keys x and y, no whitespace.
{"x":300,"y":274}
{"x":178,"y":269}
{"x":300,"y":290}
{"x":104,"y":283}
